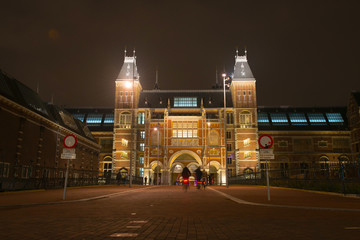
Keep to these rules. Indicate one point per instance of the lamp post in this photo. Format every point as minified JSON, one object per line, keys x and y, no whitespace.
{"x":209,"y":126}
{"x":225,"y":115}
{"x":158,"y":167}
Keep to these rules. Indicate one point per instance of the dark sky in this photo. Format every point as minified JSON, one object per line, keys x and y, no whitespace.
{"x":302,"y":54}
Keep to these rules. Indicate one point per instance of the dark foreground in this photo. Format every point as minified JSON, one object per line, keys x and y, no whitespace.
{"x":167,"y":212}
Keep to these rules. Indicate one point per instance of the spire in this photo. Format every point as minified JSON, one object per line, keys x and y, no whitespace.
{"x":157,"y":80}
{"x":242,"y":71}
{"x":129,"y":69}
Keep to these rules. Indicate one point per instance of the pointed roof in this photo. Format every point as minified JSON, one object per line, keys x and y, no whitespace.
{"x":242,"y":71}
{"x":129,"y":69}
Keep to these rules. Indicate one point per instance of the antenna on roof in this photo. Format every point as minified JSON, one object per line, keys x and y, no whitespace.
{"x":134,"y":53}
{"x":125,"y":52}
{"x":157,"y":80}
{"x":216,"y":77}
{"x":245,"y":52}
{"x":237,"y":51}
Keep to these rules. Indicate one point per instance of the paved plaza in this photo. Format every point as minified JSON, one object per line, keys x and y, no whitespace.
{"x":168,"y":212}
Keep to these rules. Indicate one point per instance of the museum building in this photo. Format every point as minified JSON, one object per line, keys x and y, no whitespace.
{"x":156,"y":133}
{"x":31,"y":142}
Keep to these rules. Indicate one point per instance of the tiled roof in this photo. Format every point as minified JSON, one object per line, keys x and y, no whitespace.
{"x":26,"y":97}
{"x":242,"y":71}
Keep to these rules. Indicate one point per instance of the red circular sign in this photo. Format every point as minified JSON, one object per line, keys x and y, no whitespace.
{"x":69,"y":141}
{"x":265,"y":141}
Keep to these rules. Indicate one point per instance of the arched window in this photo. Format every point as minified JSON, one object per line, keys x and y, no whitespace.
{"x":125,"y":120}
{"x":245,"y":119}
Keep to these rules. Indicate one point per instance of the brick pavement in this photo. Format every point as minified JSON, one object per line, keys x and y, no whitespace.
{"x":170,"y":213}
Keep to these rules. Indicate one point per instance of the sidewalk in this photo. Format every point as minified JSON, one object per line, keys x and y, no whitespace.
{"x":42,"y":196}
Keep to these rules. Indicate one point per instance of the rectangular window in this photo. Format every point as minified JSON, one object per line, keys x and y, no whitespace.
{"x":245,"y":120}
{"x":142,"y":147}
{"x":4,"y":169}
{"x":141,"y":160}
{"x":228,"y":134}
{"x":298,"y":119}
{"x":125,"y":120}
{"x":185,"y":102}
{"x":229,"y":118}
{"x":263,"y":119}
{"x":141,"y":172}
{"x":322,"y":143}
{"x":94,"y":119}
{"x":316,"y":119}
{"x":26,"y":172}
{"x":247,"y":154}
{"x":184,"y":129}
{"x":141,"y":118}
{"x":229,"y":160}
{"x":142,"y":134}
{"x":279,"y":119}
{"x":228,"y":147}
{"x":246,"y":142}
{"x":124,"y":142}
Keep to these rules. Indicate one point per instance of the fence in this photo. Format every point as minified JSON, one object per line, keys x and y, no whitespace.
{"x":346,"y":181}
{"x":26,"y":178}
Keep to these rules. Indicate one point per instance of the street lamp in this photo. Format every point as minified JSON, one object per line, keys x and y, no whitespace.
{"x":226,"y":165}
{"x":158,"y":167}
{"x":209,"y":126}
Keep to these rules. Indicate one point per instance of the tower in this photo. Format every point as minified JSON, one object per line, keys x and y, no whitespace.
{"x":127,"y":91}
{"x":243,"y":91}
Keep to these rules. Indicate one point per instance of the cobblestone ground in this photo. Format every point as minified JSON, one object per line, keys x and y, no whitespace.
{"x":168,"y":212}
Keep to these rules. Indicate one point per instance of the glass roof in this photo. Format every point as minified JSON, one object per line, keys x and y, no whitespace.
{"x":279,"y":118}
{"x":298,"y":119}
{"x":316,"y":119}
{"x":335,"y":118}
{"x":109,"y":118}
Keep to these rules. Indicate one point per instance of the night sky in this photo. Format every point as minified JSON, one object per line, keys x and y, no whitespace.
{"x":302,"y":54}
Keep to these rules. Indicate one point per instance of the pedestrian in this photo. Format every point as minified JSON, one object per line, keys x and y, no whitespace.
{"x":198,"y":173}
{"x":118,"y":178}
{"x":150,"y":181}
{"x":145,"y":180}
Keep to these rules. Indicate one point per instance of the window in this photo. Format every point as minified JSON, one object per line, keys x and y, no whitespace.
{"x":141,"y":118}
{"x":124,"y":142}
{"x":79,"y":116}
{"x":142,"y":134}
{"x":142,"y":147}
{"x":322,"y":143}
{"x":298,"y":119}
{"x":316,"y":119}
{"x":283,"y":143}
{"x":247,"y":142}
{"x":228,"y":146}
{"x":263,"y":119}
{"x":279,"y":119}
{"x":185,"y":129}
{"x":109,"y":119}
{"x":141,"y":160}
{"x":125,"y":120}
{"x":245,"y":120}
{"x":4,"y":169}
{"x":249,"y":96}
{"x":141,"y":172}
{"x":228,"y":134}
{"x":229,"y":160}
{"x":335,"y":118}
{"x":26,"y":172}
{"x":247,"y":154}
{"x":94,"y":119}
{"x":229,"y":118}
{"x":185,"y":102}
{"x":239,"y":95}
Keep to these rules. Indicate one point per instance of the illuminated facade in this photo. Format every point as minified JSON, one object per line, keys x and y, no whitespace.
{"x":159,"y":132}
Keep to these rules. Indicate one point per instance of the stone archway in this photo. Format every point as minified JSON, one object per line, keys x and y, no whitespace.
{"x":179,"y":160}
